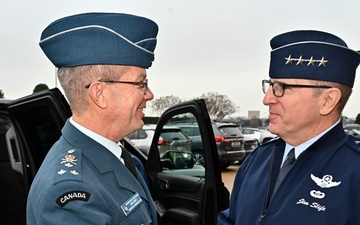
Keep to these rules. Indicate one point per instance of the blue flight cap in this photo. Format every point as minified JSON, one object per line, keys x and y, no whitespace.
{"x":100,"y":38}
{"x":313,"y":55}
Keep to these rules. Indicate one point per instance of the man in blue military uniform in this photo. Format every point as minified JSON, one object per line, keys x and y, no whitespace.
{"x":102,"y":60}
{"x":310,"y":174}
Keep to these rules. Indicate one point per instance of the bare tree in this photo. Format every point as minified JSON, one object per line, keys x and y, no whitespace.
{"x":159,"y":105}
{"x":1,"y":94}
{"x":218,"y":105}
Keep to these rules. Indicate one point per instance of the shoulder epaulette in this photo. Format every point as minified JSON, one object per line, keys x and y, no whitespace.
{"x":68,"y":166}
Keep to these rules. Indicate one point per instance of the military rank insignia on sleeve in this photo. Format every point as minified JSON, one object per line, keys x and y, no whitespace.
{"x":67,"y":197}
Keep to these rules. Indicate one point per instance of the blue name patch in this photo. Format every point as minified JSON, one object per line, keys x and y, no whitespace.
{"x":131,"y":203}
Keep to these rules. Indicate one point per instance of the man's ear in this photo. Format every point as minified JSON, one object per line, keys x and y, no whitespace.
{"x":96,"y":93}
{"x":331,"y":97}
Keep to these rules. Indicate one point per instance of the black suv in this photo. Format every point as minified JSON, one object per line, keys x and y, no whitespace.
{"x":183,"y":193}
{"x":229,"y":142}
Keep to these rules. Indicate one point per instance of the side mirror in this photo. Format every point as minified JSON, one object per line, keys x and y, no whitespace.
{"x":173,"y":159}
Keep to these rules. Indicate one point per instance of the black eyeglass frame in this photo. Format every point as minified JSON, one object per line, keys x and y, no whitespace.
{"x":144,"y":84}
{"x":285,"y":85}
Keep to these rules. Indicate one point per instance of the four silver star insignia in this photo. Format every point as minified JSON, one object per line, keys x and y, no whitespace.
{"x":310,"y":62}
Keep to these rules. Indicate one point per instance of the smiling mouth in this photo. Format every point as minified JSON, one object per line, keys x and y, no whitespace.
{"x":142,"y":111}
{"x":272,"y":115}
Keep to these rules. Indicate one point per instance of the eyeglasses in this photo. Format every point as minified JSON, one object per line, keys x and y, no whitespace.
{"x":142,"y":85}
{"x":278,"y":88}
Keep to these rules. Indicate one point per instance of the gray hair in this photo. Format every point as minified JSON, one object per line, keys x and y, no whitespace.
{"x":345,"y":92}
{"x":74,"y":79}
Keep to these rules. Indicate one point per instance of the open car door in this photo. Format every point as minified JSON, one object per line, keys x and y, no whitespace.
{"x":29,"y":127}
{"x":185,"y":192}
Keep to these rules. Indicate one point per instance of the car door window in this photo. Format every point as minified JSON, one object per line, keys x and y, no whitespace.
{"x":178,"y":146}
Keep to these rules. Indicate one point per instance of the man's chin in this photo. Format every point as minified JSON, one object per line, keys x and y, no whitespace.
{"x":140,"y":124}
{"x":272,"y":128}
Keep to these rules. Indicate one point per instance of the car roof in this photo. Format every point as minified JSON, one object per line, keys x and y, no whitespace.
{"x":224,"y":124}
{"x":166,"y":127}
{"x":350,"y":126}
{"x":149,"y":127}
{"x":186,"y":125}
{"x":250,"y":128}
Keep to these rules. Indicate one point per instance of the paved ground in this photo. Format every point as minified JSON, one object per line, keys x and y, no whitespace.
{"x":228,"y":176}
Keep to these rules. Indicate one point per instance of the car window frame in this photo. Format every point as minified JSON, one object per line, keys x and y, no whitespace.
{"x":213,"y":185}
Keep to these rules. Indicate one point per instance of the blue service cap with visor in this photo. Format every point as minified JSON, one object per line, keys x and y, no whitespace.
{"x":313,"y":55}
{"x":100,"y":38}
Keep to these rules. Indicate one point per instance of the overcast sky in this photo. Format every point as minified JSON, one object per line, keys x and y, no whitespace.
{"x":203,"y":45}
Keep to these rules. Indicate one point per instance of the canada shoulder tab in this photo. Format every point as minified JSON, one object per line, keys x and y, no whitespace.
{"x":76,"y":195}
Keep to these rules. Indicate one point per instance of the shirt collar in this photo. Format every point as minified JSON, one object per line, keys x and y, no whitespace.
{"x":302,"y":147}
{"x":107,"y":143}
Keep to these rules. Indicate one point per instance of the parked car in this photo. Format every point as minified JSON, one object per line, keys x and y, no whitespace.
{"x":229,"y":142}
{"x":171,"y":138}
{"x":142,"y":138}
{"x":29,"y":126}
{"x":250,"y":132}
{"x":250,"y":144}
{"x":266,"y":136}
{"x":261,"y":135}
{"x":351,"y":126}
{"x":192,"y":131}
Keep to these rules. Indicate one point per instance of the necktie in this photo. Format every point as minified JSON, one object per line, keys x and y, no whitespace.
{"x":289,"y":161}
{"x":129,"y":163}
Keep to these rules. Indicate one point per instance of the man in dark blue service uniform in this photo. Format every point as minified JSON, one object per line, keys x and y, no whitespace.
{"x":310,"y":174}
{"x":102,"y":60}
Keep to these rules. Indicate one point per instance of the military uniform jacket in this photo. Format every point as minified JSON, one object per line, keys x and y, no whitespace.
{"x":322,"y":187}
{"x":81,"y":182}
